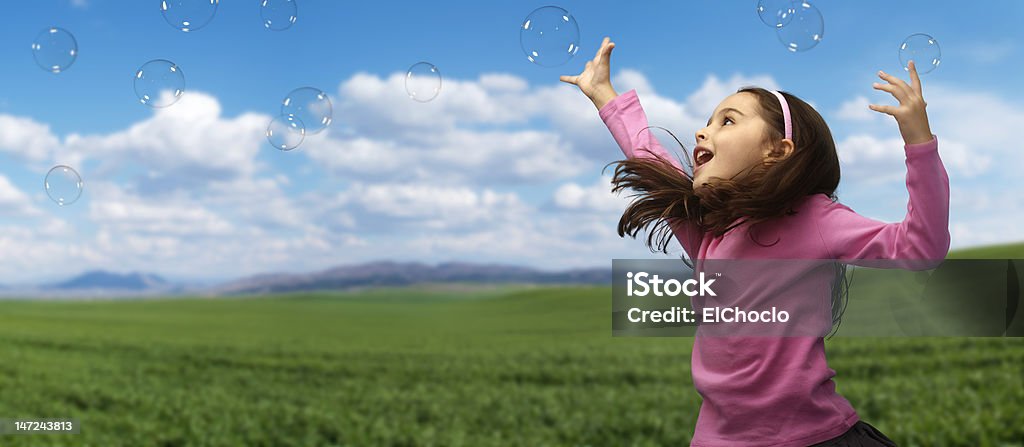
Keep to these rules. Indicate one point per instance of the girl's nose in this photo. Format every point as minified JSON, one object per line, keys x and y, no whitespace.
{"x":701,"y":135}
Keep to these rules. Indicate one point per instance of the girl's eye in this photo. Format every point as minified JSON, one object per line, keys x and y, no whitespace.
{"x":729,"y":120}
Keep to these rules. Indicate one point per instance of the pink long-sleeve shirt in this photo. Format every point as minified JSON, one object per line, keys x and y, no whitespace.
{"x":778,"y":391}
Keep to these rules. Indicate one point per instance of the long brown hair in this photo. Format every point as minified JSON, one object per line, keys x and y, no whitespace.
{"x":764,"y":191}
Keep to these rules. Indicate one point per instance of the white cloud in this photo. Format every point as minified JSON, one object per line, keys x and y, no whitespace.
{"x":857,"y":109}
{"x":976,"y":132}
{"x":980,"y":119}
{"x":26,"y":139}
{"x":551,"y":241}
{"x":713,"y":91}
{"x":500,"y":82}
{"x":453,"y":138}
{"x":123,"y":213}
{"x":416,"y":206}
{"x":981,"y":215}
{"x":184,"y":192}
{"x":14,"y":202}
{"x":189,"y":138}
{"x":594,"y":198}
{"x":376,"y":107}
{"x":260,"y":202}
{"x":454,"y":156}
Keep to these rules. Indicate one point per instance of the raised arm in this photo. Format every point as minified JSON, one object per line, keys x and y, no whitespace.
{"x":921,"y":240}
{"x":625,"y":118}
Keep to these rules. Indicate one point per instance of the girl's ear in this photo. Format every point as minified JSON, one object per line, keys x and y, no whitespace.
{"x":782,"y":150}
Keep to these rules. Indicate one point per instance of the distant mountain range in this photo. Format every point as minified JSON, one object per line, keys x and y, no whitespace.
{"x":372,"y":274}
{"x":381,"y":273}
{"x":389,"y":273}
{"x":99,"y":279}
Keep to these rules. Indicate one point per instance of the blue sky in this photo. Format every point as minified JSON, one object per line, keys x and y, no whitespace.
{"x":504,"y":166}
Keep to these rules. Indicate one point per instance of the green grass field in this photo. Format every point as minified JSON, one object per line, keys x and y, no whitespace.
{"x":420,"y":366}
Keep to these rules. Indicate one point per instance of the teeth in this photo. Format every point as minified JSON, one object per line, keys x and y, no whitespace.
{"x":703,"y":156}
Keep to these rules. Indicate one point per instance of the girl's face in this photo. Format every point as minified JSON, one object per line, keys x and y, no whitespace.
{"x":734,"y":136}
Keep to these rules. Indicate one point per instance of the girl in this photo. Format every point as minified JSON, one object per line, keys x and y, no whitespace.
{"x":767,"y":158}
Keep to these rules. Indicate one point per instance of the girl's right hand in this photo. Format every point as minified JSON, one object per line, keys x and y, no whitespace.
{"x":595,"y":81}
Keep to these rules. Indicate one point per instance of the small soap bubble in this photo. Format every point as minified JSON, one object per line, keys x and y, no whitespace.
{"x":188,"y":15}
{"x":63,"y":185}
{"x":805,"y":30}
{"x":423,"y":82}
{"x":54,"y":49}
{"x":159,"y":83}
{"x":278,"y":15}
{"x":923,"y":50}
{"x":776,"y":13}
{"x":549,"y":36}
{"x":286,"y":132}
{"x":311,"y":106}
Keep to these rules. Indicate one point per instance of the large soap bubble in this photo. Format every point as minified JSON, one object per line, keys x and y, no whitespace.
{"x":423,"y":82}
{"x":54,"y":49}
{"x":159,"y":83}
{"x":311,"y":106}
{"x":188,"y":15}
{"x":923,"y":50}
{"x":549,"y":36}
{"x":776,"y":13}
{"x":805,"y":30}
{"x":63,"y":185}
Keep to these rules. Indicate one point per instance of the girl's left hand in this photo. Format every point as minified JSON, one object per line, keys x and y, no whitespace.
{"x":910,"y":114}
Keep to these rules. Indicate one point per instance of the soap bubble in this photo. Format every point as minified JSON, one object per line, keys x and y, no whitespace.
{"x":311,"y":106}
{"x":549,"y":36}
{"x":423,"y":81}
{"x":188,"y":15}
{"x":159,"y":83}
{"x":278,"y":15}
{"x":805,"y":30}
{"x":286,"y":132}
{"x":776,"y":13}
{"x":63,"y":185}
{"x":923,"y":50}
{"x":54,"y":49}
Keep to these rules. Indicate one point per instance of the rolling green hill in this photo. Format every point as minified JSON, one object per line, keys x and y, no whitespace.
{"x":439,"y":365}
{"x":1002,"y":251}
{"x":499,"y":366}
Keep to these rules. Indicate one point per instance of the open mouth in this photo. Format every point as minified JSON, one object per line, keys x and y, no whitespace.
{"x":702,"y":156}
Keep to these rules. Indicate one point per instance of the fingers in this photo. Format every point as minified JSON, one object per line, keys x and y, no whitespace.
{"x":915,"y":80}
{"x":601,"y":48}
{"x":885,"y":88}
{"x":888,"y":110}
{"x":608,"y":52}
{"x":601,"y":57}
{"x":896,"y":86}
{"x":894,"y":81}
{"x":605,"y":51}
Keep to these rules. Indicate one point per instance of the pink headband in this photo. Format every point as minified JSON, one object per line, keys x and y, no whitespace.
{"x":785,"y":114}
